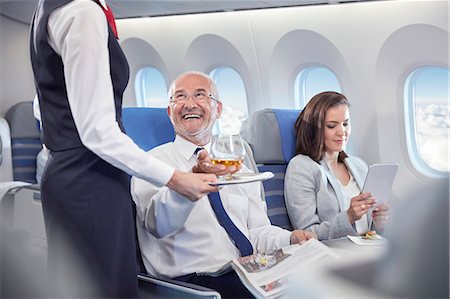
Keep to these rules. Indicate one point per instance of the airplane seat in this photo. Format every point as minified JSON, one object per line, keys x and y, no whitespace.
{"x":21,"y":143}
{"x":5,"y":152}
{"x":150,"y":127}
{"x":21,"y":209}
{"x":270,"y":133}
{"x":25,"y":141}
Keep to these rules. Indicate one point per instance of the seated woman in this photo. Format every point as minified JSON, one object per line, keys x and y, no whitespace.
{"x":323,"y":184}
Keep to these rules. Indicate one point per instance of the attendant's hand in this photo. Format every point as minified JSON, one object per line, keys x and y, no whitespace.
{"x":359,"y":205}
{"x":204,"y":165}
{"x":380,"y":216}
{"x":301,"y":236}
{"x":192,"y":185}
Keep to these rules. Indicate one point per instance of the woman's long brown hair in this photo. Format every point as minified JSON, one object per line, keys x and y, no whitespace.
{"x":309,"y":125}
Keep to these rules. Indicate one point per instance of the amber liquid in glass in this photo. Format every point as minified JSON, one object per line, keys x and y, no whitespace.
{"x":227,"y":162}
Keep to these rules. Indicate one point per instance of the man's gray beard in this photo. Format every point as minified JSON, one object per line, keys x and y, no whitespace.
{"x":202,"y":136}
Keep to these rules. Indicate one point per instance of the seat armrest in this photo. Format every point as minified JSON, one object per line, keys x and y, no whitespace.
{"x":6,"y":173}
{"x":176,"y":289}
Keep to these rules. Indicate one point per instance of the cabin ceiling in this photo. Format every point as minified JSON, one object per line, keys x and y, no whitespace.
{"x":22,"y":10}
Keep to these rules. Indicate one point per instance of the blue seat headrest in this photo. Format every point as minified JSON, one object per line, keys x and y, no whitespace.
{"x":286,"y":121}
{"x":148,"y":127}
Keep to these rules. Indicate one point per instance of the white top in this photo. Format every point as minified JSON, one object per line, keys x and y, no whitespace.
{"x":178,"y":237}
{"x":89,"y":89}
{"x":349,"y":191}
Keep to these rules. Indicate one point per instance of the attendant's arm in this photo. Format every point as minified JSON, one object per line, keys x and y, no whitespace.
{"x":79,"y":33}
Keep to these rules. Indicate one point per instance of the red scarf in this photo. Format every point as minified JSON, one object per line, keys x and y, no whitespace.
{"x":110,"y":18}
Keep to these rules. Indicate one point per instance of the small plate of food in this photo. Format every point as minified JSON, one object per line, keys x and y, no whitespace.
{"x":369,"y":238}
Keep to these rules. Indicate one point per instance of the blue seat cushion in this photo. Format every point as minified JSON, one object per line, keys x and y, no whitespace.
{"x":24,"y":152}
{"x":274,"y":196}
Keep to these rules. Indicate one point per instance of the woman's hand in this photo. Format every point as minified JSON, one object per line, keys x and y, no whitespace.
{"x":359,"y":205}
{"x":380,"y":216}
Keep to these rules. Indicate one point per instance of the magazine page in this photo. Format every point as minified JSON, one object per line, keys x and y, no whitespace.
{"x":266,"y":274}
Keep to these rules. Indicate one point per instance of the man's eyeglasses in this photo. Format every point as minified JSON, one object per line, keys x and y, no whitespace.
{"x":198,"y":97}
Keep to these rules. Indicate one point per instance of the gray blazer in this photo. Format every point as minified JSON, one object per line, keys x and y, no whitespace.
{"x":314,"y":197}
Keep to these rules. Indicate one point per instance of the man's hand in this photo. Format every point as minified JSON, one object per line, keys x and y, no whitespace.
{"x":301,"y":236}
{"x":192,"y":185}
{"x":204,"y":165}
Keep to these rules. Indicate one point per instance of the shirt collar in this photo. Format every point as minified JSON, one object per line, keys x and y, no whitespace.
{"x":103,"y":3}
{"x":186,"y":147}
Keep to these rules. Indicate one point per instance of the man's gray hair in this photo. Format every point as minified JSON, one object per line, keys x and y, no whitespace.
{"x":212,"y":84}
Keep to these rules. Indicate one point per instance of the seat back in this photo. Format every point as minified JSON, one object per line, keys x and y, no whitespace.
{"x":5,"y":152}
{"x":270,"y":133}
{"x":150,"y":127}
{"x":25,"y":141}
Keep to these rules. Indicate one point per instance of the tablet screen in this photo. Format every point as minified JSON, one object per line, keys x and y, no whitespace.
{"x":379,"y":181}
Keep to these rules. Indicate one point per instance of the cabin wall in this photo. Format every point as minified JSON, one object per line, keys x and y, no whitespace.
{"x":370,"y":46}
{"x":16,"y":77}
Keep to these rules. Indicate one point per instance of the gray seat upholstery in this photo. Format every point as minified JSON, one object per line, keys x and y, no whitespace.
{"x":5,"y":152}
{"x":270,"y":133}
{"x":25,"y":141}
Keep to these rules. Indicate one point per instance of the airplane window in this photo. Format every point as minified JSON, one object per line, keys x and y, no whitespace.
{"x":311,"y":81}
{"x":427,"y":119}
{"x":151,"y":88}
{"x":233,"y":97}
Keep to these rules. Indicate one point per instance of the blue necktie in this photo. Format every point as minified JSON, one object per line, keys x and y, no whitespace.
{"x":197,"y":150}
{"x":240,"y":240}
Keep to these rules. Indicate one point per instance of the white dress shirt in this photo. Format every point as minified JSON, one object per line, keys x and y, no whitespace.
{"x":179,"y":237}
{"x":349,"y":191}
{"x":78,"y":31}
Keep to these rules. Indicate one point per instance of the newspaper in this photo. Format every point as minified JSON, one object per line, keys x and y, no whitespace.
{"x":266,"y":275}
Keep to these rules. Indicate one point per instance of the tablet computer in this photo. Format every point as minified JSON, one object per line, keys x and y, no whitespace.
{"x":379,"y":181}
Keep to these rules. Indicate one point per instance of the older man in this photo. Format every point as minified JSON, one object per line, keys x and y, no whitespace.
{"x":181,"y":237}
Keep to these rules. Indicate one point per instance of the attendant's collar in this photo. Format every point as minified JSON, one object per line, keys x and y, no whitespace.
{"x":186,"y":147}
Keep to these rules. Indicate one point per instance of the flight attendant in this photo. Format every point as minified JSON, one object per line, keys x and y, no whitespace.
{"x":80,"y":74}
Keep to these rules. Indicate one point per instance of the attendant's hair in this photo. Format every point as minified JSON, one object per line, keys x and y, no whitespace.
{"x":309,"y":126}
